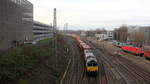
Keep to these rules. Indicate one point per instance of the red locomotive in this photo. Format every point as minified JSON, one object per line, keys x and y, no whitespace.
{"x":134,"y":50}
{"x":147,"y":54}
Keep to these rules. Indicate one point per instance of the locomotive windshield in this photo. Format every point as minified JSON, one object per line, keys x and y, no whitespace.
{"x":92,"y":63}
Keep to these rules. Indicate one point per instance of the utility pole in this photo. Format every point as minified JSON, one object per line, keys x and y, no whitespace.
{"x":55,"y":20}
{"x":65,"y":28}
{"x":64,"y":32}
{"x":55,"y":38}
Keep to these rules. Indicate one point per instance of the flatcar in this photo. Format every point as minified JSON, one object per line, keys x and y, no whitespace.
{"x":118,"y":44}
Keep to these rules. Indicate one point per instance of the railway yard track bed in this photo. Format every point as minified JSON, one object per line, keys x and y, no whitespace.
{"x":113,"y":68}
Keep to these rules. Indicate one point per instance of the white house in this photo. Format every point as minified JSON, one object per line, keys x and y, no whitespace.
{"x":107,"y":36}
{"x":110,"y":35}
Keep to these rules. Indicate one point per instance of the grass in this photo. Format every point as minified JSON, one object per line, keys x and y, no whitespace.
{"x":15,"y":62}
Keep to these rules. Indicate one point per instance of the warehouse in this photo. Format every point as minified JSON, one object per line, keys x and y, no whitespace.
{"x":16,"y":22}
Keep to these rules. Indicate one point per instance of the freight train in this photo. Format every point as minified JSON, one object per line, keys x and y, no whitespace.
{"x":91,"y":64}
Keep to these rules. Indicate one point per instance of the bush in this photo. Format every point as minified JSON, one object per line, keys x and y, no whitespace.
{"x":15,"y":62}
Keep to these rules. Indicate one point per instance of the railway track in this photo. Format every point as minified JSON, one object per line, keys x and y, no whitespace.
{"x":112,"y":76}
{"x":76,"y":73}
{"x":145,"y":72}
{"x":113,"y":69}
{"x":129,"y":72}
{"x":140,"y":61}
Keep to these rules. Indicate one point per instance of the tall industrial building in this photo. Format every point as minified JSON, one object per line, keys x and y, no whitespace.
{"x":16,"y":22}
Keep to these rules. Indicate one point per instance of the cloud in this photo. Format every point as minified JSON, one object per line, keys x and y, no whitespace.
{"x":93,"y":13}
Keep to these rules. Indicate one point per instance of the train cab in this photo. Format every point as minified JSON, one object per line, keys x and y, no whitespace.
{"x":91,"y":62}
{"x":91,"y":66}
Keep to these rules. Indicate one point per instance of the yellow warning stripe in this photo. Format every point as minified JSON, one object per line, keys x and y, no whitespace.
{"x":92,"y":68}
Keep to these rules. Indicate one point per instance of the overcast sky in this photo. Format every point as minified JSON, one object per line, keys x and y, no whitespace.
{"x":92,"y":14}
